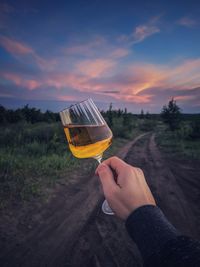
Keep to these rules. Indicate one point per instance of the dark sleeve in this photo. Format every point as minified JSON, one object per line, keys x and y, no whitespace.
{"x":159,"y":242}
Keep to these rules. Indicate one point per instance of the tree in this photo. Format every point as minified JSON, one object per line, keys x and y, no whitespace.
{"x":142,"y":114}
{"x":171,"y":115}
{"x":147,"y":115}
{"x":110,"y":115}
{"x":2,"y":114}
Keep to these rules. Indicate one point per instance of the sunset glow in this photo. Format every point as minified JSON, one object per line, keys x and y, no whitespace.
{"x":141,"y":64}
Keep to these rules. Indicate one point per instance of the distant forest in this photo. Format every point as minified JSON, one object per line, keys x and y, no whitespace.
{"x":34,"y":115}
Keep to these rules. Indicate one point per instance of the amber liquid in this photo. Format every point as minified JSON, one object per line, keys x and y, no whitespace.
{"x":88,"y":141}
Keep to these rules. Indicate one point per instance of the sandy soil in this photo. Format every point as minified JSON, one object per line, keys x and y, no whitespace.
{"x":70,"y":230}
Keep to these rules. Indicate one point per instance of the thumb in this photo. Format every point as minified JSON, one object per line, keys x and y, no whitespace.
{"x":106,"y":177}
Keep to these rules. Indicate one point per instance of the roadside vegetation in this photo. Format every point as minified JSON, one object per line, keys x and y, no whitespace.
{"x":180,"y":134}
{"x":34,"y":153}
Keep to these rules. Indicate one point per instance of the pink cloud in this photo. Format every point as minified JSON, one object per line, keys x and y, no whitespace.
{"x":185,"y":75}
{"x":119,"y":53}
{"x":22,"y":51}
{"x":66,"y":98}
{"x":30,"y":84}
{"x":97,"y":47}
{"x":86,"y":49}
{"x":133,"y":98}
{"x":184,"y":98}
{"x":100,"y":77}
{"x":187,"y":22}
{"x":16,"y":79}
{"x":143,"y":31}
{"x":15,"y":47}
{"x":95,"y":68}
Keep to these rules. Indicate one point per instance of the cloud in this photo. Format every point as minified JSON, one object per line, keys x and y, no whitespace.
{"x":187,"y":22}
{"x":110,"y":92}
{"x":138,"y":83}
{"x":143,"y":31}
{"x":86,"y":49}
{"x":98,"y":46}
{"x":120,"y":52}
{"x":102,"y":73}
{"x":95,"y":68}
{"x":30,"y":84}
{"x":14,"y":47}
{"x":67,"y":98}
{"x":23,"y":52}
{"x":188,"y":99}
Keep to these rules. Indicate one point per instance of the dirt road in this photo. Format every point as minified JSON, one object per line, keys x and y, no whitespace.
{"x":70,"y":230}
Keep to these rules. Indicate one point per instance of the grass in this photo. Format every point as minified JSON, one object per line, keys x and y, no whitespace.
{"x":34,"y":157}
{"x":177,"y":144}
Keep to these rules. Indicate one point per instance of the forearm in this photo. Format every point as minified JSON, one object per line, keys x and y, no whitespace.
{"x":158,"y":241}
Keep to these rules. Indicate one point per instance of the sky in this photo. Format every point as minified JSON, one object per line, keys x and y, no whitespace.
{"x":135,"y":54}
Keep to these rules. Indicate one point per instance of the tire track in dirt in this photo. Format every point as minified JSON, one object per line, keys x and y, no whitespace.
{"x":166,"y":178}
{"x":71,"y":230}
{"x":57,"y":227}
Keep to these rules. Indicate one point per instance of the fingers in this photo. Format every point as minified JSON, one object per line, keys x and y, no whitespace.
{"x":115,"y":163}
{"x":107,"y":178}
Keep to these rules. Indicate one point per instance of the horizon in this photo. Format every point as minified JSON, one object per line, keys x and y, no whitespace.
{"x":64,"y":104}
{"x":135,"y":55}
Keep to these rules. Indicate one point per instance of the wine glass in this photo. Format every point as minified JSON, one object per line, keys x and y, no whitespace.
{"x":87,"y":133}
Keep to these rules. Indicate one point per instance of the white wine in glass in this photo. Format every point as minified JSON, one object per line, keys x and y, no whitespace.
{"x":87,"y":133}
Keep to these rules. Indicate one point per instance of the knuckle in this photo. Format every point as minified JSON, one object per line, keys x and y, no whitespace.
{"x":140,"y":171}
{"x":114,"y":158}
{"x":129,"y":168}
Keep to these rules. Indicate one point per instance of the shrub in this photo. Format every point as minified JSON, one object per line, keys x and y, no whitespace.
{"x":171,"y":115}
{"x":195,"y":129}
{"x":146,"y":125}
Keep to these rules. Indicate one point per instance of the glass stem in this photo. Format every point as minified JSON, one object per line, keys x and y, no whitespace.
{"x":98,"y":158}
{"x":105,"y":206}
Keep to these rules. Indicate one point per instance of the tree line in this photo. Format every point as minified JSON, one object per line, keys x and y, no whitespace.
{"x":34,"y":115}
{"x":170,"y":114}
{"x":28,"y":114}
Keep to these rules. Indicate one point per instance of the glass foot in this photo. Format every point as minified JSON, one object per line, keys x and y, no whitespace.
{"x":106,"y":208}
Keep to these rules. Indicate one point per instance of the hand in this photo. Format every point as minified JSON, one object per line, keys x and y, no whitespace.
{"x":124,"y":186}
